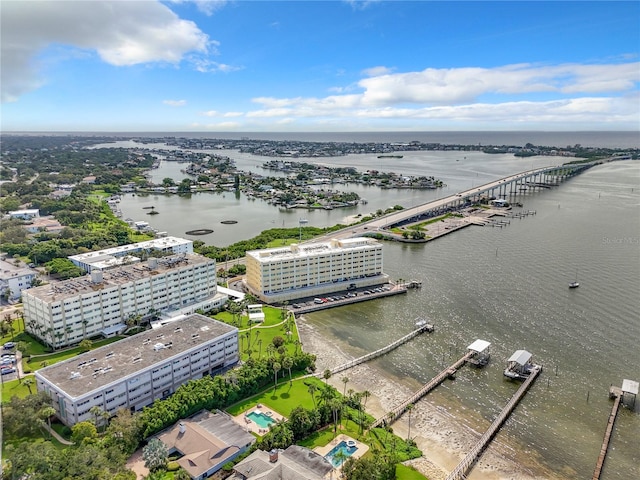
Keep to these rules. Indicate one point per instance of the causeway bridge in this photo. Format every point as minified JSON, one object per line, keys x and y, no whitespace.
{"x":506,"y":187}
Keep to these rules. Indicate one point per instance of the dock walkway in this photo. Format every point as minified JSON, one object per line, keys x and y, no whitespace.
{"x":617,"y":393}
{"x":370,"y":356}
{"x":397,"y":412}
{"x":469,"y":460}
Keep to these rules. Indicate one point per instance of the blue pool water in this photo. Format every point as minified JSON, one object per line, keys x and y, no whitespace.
{"x":341,"y":447}
{"x":262,"y":420}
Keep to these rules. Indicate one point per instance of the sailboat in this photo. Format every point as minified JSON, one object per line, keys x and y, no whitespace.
{"x":575,"y":283}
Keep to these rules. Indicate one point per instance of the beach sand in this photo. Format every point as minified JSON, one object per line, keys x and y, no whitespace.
{"x":444,"y":438}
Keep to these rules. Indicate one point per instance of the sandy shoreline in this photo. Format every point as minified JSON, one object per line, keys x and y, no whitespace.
{"x":443,"y":438}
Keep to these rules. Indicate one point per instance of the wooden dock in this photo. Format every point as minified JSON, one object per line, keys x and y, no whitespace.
{"x":469,"y":460}
{"x":426,"y":327}
{"x":397,"y":411}
{"x":616,"y":393}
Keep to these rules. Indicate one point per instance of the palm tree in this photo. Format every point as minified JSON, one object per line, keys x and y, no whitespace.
{"x":45,"y":414}
{"x":259,"y":348}
{"x":326,"y":375}
{"x":276,"y":368}
{"x":28,"y":382}
{"x":344,"y":380}
{"x":409,"y":408}
{"x":287,"y":362}
{"x":312,"y":389}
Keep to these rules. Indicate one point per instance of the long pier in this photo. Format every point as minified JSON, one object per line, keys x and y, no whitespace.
{"x":448,"y":372}
{"x":469,"y":460}
{"x":425,"y":327}
{"x":607,"y":434}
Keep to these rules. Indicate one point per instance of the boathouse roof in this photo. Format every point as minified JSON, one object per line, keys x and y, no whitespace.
{"x":521,"y":357}
{"x":630,"y":386}
{"x":479,"y":346}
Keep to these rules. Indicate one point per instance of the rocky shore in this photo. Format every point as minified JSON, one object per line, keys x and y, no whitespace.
{"x":443,"y":437}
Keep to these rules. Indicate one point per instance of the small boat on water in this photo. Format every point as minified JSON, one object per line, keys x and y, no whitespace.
{"x":390,"y":156}
{"x":575,"y":283}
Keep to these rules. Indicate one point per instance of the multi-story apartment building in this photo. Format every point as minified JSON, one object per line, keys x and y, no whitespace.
{"x":64,"y":313}
{"x":134,"y":372}
{"x":281,"y":274}
{"x":13,"y":280}
{"x":113,"y":257}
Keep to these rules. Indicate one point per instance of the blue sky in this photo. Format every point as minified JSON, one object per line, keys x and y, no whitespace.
{"x":221,"y":66}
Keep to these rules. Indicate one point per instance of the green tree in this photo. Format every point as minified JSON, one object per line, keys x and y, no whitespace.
{"x":85,"y":345}
{"x":276,"y":368}
{"x":45,"y":414}
{"x":83,"y":432}
{"x":155,"y":454}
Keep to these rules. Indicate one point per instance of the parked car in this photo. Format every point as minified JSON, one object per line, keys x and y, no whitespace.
{"x":7,"y":371}
{"x":7,"y":361}
{"x":9,"y":345}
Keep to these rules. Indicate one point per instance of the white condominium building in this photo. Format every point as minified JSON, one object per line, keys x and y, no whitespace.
{"x":281,"y":274}
{"x":115,"y":256}
{"x":134,"y":372}
{"x":64,"y":313}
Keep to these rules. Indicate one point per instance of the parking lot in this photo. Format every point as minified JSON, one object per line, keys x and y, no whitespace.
{"x":313,"y":304}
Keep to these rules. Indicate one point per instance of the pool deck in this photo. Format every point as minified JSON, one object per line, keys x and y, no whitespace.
{"x":362,"y":447}
{"x":251,"y":426}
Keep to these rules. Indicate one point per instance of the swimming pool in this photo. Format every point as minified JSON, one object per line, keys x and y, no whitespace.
{"x":260,"y":419}
{"x":338,"y":460}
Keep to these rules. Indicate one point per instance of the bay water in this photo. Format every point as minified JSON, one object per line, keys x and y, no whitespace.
{"x":505,"y":285}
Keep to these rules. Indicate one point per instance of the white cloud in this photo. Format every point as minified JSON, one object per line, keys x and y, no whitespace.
{"x":377,"y":71}
{"x":210,"y":113}
{"x":122,"y":33}
{"x":175,"y":103}
{"x":208,"y":7}
{"x":562,"y":94}
{"x":461,"y":85}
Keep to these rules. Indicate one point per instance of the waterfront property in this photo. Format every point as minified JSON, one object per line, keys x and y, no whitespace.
{"x":206,"y":441}
{"x":258,"y":419}
{"x":277,"y":275}
{"x":64,"y":313}
{"x":295,"y":462}
{"x":122,"y":255}
{"x":138,"y":370}
{"x":340,"y":449}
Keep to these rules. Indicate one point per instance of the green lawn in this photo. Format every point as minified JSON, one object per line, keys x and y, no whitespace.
{"x":407,"y":473}
{"x":285,"y":398}
{"x":15,"y":388}
{"x":259,"y":336}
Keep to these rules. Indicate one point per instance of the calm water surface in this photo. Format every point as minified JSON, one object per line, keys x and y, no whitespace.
{"x":510,"y":286}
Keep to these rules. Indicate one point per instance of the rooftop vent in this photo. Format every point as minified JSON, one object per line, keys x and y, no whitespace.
{"x":137,"y":360}
{"x":194,"y":335}
{"x":74,"y":375}
{"x":158,"y":346}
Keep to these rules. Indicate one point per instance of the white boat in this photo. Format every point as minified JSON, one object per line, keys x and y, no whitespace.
{"x":575,"y":283}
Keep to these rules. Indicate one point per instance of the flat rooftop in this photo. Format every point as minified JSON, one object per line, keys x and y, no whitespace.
{"x":114,"y":277}
{"x":160,"y":243}
{"x":311,"y":249}
{"x":93,"y":370}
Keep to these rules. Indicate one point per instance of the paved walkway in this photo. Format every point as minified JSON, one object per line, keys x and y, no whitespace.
{"x":58,"y":437}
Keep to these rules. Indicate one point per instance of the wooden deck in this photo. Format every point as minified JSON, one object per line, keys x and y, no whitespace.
{"x":397,"y":411}
{"x":469,"y":460}
{"x":370,"y":356}
{"x":616,"y":393}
